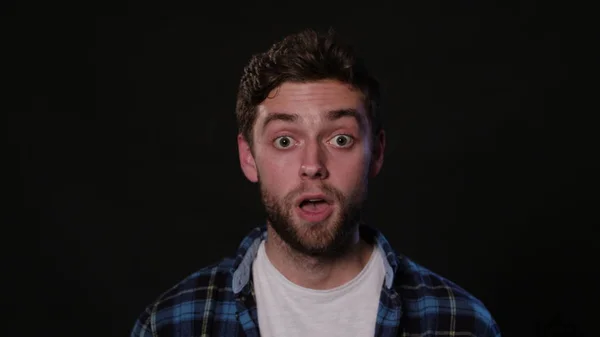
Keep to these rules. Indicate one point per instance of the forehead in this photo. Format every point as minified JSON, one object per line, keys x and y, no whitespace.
{"x":312,"y":99}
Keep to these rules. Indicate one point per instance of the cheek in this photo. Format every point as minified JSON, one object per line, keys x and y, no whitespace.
{"x":350,"y":171}
{"x":350,"y":175}
{"x":275,"y":171}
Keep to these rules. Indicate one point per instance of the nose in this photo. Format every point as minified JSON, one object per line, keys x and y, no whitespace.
{"x":313,"y":162}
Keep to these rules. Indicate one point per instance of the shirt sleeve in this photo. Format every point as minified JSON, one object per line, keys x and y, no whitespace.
{"x":143,"y":326}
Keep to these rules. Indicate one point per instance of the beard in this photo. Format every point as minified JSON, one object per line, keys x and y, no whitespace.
{"x":329,"y":238}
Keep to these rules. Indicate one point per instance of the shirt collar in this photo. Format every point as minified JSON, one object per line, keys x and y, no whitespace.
{"x":248,"y":248}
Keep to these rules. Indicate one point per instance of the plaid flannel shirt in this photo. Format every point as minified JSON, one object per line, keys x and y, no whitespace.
{"x":219,"y":300}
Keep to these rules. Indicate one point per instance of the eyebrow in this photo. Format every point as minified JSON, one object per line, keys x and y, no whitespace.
{"x":331,"y":115}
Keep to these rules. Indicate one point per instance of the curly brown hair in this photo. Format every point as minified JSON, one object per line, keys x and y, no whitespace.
{"x":305,"y":56}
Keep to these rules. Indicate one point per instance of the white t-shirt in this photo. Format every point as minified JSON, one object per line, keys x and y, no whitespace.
{"x":288,"y":310}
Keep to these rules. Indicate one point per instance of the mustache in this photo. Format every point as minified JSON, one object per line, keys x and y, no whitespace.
{"x":328,"y":190}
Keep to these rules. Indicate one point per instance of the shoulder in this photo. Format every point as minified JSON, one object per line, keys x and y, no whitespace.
{"x":440,"y":304}
{"x":187,"y":301}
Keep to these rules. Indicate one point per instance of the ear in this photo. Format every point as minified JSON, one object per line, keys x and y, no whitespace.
{"x":247,"y":159}
{"x":377,"y":155}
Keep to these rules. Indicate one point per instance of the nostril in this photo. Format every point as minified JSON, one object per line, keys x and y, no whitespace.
{"x":313,"y":171}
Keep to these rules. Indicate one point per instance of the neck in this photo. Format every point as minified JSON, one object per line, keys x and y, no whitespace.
{"x":317,"y":272}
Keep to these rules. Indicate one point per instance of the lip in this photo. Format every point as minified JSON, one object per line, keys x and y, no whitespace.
{"x":314,"y":216}
{"x":313,"y":196}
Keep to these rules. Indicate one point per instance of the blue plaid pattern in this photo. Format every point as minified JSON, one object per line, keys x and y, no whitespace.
{"x":218,"y":300}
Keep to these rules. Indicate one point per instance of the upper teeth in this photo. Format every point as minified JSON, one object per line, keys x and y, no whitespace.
{"x":313,"y":200}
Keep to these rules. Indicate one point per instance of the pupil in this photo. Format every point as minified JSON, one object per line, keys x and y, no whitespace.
{"x":341,"y":141}
{"x":284,"y":141}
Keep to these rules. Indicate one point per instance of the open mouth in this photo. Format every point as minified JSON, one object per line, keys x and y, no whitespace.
{"x":313,"y":205}
{"x":314,"y":208}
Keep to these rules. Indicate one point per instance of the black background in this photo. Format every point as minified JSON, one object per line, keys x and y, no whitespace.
{"x":125,"y":133}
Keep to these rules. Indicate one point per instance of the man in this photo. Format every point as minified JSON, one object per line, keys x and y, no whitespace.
{"x":310,"y":136}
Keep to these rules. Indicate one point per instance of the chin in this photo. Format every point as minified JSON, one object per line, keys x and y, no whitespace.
{"x":325,"y":238}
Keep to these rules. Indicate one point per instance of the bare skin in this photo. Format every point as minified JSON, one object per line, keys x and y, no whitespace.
{"x":313,"y":139}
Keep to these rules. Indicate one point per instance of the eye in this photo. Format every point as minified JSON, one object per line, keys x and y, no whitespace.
{"x":283,"y":142}
{"x":342,"y":140}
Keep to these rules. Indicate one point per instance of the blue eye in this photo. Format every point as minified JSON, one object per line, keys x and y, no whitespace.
{"x":283,"y":142}
{"x":342,"y":141}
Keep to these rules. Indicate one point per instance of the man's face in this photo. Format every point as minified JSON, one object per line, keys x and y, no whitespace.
{"x":312,"y":156}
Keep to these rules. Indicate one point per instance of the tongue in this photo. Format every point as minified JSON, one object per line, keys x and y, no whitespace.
{"x":314,"y":207}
